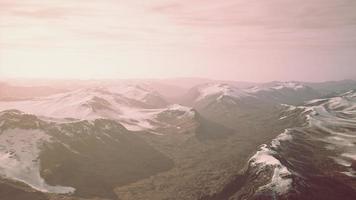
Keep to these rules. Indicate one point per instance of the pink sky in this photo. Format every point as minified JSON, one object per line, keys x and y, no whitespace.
{"x":251,"y":40}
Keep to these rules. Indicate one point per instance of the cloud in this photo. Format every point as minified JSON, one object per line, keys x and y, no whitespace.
{"x":272,"y":13}
{"x":193,"y":22}
{"x":177,"y":33}
{"x":33,"y":8}
{"x":318,"y":22}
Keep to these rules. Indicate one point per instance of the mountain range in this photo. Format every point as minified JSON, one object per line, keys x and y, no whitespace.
{"x":177,"y":139}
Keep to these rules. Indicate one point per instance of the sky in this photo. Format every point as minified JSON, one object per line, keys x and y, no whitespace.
{"x":246,"y":40}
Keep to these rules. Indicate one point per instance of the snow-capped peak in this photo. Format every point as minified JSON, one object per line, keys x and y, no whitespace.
{"x":289,"y":85}
{"x":133,"y":91}
{"x":119,"y":103}
{"x":350,"y":94}
{"x":276,"y":86}
{"x":220,"y":90}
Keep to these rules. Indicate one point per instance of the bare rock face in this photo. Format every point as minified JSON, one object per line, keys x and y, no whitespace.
{"x":353,"y":165}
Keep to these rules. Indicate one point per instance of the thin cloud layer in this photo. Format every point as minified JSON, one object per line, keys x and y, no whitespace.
{"x":273,"y":14}
{"x":159,"y":38}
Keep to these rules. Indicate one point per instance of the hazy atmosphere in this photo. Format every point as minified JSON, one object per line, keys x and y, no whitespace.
{"x":310,"y":40}
{"x":177,"y":99}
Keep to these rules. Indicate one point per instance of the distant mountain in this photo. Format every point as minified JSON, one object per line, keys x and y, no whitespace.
{"x":134,"y":106}
{"x":284,"y":92}
{"x":188,"y":83}
{"x":172,"y":89}
{"x":223,"y":103}
{"x":10,"y":92}
{"x":274,"y":92}
{"x":227,"y":104}
{"x":333,"y":86}
{"x":212,"y":92}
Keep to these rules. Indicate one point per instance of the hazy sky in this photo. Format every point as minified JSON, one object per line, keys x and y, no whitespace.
{"x":254,"y":40}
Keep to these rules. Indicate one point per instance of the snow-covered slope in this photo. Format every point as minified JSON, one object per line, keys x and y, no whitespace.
{"x":276,"y":86}
{"x":274,"y":92}
{"x":313,"y":160}
{"x":218,"y":91}
{"x":19,"y":158}
{"x":227,"y":104}
{"x":284,"y":92}
{"x":80,"y":104}
{"x":132,"y":106}
{"x":59,"y":157}
{"x":137,"y":106}
{"x":139,"y":92}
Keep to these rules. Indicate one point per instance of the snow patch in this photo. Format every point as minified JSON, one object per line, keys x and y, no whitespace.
{"x":277,"y":86}
{"x":188,"y":112}
{"x":283,"y":117}
{"x":132,"y":91}
{"x":289,"y":85}
{"x":349,"y":155}
{"x":19,"y":159}
{"x":280,"y":181}
{"x":220,"y":90}
{"x":264,"y":157}
{"x":281,"y":137}
{"x":91,"y":104}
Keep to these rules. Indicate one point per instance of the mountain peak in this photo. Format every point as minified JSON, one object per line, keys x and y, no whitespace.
{"x":219,"y":90}
{"x":290,"y":85}
{"x":276,"y":86}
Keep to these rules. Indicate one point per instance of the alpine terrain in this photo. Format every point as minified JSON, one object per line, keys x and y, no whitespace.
{"x":214,"y":140}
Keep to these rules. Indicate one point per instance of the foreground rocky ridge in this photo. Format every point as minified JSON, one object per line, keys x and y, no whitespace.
{"x":312,"y":160}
